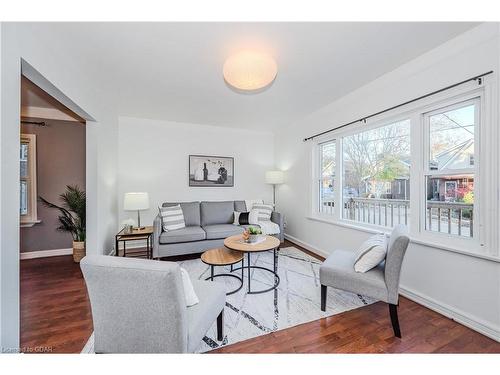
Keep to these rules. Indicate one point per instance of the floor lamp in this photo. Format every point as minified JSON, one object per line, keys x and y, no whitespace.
{"x":274,"y":178}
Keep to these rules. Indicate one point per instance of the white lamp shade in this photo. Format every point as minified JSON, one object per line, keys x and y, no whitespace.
{"x":274,"y":177}
{"x":136,"y":201}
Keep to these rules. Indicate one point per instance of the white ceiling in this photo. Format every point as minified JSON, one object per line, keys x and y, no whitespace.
{"x":173,"y":71}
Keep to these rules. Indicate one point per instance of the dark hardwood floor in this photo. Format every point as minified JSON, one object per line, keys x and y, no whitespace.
{"x":55,"y":314}
{"x":368,"y":330}
{"x":55,"y":309}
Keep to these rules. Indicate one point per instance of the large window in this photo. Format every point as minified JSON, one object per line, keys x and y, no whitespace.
{"x":327,"y":166}
{"x":27,"y":183}
{"x":450,"y":168}
{"x":376,"y":175}
{"x":434,"y":170}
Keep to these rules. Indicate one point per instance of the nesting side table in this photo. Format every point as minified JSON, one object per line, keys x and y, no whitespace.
{"x":135,"y":235}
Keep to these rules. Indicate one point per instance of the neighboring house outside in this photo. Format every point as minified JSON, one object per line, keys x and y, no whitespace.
{"x":398,"y":188}
{"x":453,"y":188}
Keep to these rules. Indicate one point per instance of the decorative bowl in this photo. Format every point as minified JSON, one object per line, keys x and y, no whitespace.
{"x":254,"y":238}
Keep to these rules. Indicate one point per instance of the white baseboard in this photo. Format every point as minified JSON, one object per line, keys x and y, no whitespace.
{"x":451,"y":312}
{"x":307,"y":246}
{"x":45,"y":253}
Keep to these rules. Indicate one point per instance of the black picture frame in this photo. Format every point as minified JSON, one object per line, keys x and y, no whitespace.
{"x":211,"y":171}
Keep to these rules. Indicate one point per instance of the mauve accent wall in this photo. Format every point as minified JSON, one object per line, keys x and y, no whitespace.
{"x":60,"y":162}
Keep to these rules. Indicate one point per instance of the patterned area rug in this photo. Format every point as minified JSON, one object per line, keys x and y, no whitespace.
{"x":296,"y":301}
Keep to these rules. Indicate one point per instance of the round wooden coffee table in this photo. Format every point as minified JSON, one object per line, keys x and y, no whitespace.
{"x":224,"y":257}
{"x":270,"y":243}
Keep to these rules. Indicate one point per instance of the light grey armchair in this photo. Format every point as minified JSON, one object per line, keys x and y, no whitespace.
{"x":139,"y":306}
{"x":381,"y":282}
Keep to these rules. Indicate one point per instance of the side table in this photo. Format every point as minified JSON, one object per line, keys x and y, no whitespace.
{"x":223,"y":257}
{"x":135,"y":235}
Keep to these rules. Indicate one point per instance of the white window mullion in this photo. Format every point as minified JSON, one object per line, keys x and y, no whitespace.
{"x":339,"y":206}
{"x":416,"y":173}
{"x":315,"y":179}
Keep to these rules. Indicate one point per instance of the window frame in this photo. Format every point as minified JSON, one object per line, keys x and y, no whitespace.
{"x":486,"y":175}
{"x":319,"y":179}
{"x":31,"y":218}
{"x":377,"y":124}
{"x":477,"y":240}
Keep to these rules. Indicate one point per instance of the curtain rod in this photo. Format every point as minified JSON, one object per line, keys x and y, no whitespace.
{"x":39,"y":123}
{"x":478,"y":78}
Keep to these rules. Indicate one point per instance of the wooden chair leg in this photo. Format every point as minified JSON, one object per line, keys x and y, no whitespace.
{"x":393,"y":311}
{"x":323,"y":297}
{"x":220,"y":326}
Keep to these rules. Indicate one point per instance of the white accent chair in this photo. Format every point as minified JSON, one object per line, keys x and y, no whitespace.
{"x":139,"y":306}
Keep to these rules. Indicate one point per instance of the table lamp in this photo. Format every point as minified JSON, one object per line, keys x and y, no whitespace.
{"x":274,"y":178}
{"x":136,"y":202}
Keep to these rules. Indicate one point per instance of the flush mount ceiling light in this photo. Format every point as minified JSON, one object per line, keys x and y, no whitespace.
{"x":250,"y":71}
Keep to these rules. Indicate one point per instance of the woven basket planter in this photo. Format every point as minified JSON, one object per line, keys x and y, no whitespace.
{"x":78,"y":251}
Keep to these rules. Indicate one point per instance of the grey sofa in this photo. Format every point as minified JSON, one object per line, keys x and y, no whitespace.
{"x":139,"y":306}
{"x":381,"y":282}
{"x":207,"y":225}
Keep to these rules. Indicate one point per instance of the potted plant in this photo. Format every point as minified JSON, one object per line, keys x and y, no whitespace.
{"x":72,"y":218}
{"x":254,"y":234}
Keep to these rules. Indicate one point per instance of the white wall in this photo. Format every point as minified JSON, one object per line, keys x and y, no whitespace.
{"x":462,"y":286}
{"x":35,"y":44}
{"x":1,"y":201}
{"x":153,"y":157}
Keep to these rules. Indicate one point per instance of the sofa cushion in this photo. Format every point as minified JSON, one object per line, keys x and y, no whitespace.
{"x":218,"y":231}
{"x":187,"y":234}
{"x":191,"y":212}
{"x":201,"y":316}
{"x":216,"y":212}
{"x":240,"y":206}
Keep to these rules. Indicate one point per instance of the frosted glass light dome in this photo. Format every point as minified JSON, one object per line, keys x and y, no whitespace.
{"x":250,"y":71}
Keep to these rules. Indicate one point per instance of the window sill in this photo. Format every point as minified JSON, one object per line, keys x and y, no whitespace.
{"x":375,"y":230}
{"x":350,"y":225}
{"x":29,"y":224}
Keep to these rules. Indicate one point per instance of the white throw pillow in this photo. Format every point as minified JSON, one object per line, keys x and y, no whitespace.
{"x":264,"y":211}
{"x":253,"y":217}
{"x":371,"y":253}
{"x":250,"y":202}
{"x":172,"y":218}
{"x":191,"y":297}
{"x":236,"y":218}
